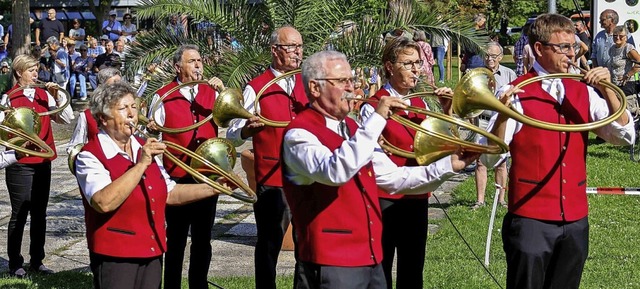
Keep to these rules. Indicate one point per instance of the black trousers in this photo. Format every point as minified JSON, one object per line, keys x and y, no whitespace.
{"x":28,"y":186}
{"x":314,"y":276}
{"x":125,"y":273}
{"x":404,"y":228}
{"x":272,"y":219}
{"x":542,"y":254}
{"x":199,"y":216}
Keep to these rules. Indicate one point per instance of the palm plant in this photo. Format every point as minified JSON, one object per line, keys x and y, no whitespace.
{"x":354,"y":27}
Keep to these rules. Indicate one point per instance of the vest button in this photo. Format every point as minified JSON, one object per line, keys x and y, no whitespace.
{"x":564,"y":132}
{"x":564,"y":164}
{"x":371,"y":240}
{"x":153,"y":237}
{"x":564,"y":198}
{"x":371,"y":257}
{"x":368,"y":206}
{"x":359,"y":173}
{"x":153,"y":249}
{"x":153,"y":200}
{"x":153,"y":212}
{"x":149,"y":187}
{"x":564,"y":181}
{"x":562,"y":115}
{"x":564,"y":148}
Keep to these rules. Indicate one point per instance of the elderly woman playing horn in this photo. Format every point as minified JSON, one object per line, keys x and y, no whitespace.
{"x":125,"y":189}
{"x":404,"y":217}
{"x":29,"y":179}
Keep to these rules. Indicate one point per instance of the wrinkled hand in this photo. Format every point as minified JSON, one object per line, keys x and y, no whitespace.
{"x":387,"y":105}
{"x":216,"y":83}
{"x":507,"y":96}
{"x":461,"y":160}
{"x":253,"y":126}
{"x":150,"y":149}
{"x":443,"y":91}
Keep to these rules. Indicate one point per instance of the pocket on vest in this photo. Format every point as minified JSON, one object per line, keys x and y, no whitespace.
{"x":121,"y":231}
{"x":337,"y":231}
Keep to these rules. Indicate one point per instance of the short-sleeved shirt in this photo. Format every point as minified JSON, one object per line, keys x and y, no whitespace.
{"x":50,"y":28}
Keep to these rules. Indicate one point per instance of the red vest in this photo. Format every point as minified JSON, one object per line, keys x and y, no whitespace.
{"x":276,"y":105}
{"x":179,"y":112}
{"x":335,"y":225}
{"x":136,"y":228}
{"x":92,"y":125}
{"x":547,"y":180}
{"x":40,"y":104}
{"x":401,"y":137}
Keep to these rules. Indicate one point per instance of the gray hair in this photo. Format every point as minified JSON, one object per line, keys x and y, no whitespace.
{"x":273,"y":39}
{"x":313,"y":67}
{"x":496,"y":44}
{"x":620,"y":28}
{"x":177,"y":57}
{"x":52,"y":40}
{"x":106,"y":73}
{"x":419,"y":35}
{"x":105,"y":97}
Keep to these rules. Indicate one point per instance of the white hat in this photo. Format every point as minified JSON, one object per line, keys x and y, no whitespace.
{"x":112,"y":12}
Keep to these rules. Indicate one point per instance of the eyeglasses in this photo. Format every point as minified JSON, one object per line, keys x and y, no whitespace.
{"x":619,"y":35}
{"x":126,"y":18}
{"x":492,"y":56}
{"x":342,"y":81}
{"x":562,"y":47}
{"x":290,"y":47}
{"x":409,"y":65}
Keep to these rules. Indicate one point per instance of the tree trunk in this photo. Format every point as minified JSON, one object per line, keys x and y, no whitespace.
{"x":21,"y":37}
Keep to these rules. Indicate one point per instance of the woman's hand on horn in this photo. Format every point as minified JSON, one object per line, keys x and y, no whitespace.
{"x":387,"y":105}
{"x":150,"y":149}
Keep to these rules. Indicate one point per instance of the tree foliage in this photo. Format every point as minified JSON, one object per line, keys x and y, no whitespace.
{"x":354,"y":27}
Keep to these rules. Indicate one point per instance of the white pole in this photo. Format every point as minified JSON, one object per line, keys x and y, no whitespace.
{"x":491,"y":219}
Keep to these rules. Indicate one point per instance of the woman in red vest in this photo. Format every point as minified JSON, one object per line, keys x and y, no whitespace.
{"x":125,"y":190}
{"x":28,"y":180}
{"x":404,"y":217}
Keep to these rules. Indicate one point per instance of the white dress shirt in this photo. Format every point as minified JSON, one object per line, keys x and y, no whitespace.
{"x":93,"y":176}
{"x":79,"y":132}
{"x":613,"y":133}
{"x":65,"y":116}
{"x":159,"y":115}
{"x":236,"y":125}
{"x":367,"y":109}
{"x":308,"y":161}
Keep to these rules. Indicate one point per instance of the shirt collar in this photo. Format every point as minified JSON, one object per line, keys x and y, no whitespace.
{"x":111,"y":149}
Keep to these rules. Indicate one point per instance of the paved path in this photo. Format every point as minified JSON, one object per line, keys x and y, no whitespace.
{"x":234,"y":231}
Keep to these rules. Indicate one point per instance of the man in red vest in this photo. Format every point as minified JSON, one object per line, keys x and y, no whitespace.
{"x":546,"y":231}
{"x":332,"y":171}
{"x":183,"y":107}
{"x":280,"y":102}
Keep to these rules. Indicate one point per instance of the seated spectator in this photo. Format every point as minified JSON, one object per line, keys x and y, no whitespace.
{"x":107,"y":59}
{"x":93,"y":48}
{"x":81,"y":66}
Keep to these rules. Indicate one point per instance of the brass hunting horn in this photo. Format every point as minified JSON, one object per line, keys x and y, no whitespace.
{"x":436,"y":136}
{"x":215,"y":157}
{"x":228,"y":93}
{"x":22,"y":125}
{"x":229,"y":107}
{"x":470,"y":95}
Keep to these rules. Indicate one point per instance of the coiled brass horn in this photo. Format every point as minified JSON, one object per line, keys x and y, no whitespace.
{"x":211,"y":159}
{"x":436,"y":138}
{"x":229,"y":107}
{"x":471,"y":94}
{"x":228,"y":93}
{"x":22,"y":125}
{"x":41,"y":85}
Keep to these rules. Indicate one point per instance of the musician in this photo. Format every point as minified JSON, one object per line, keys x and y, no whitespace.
{"x":86,"y":126}
{"x":331,"y":171}
{"x":404,"y":217}
{"x":546,"y":231}
{"x":29,"y":179}
{"x":122,"y":180}
{"x":181,"y":108}
{"x":280,"y":102}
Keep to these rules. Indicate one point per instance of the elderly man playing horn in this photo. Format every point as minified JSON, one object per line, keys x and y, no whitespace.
{"x":183,"y":107}
{"x":281,"y":102}
{"x":546,"y":231}
{"x":332,"y":171}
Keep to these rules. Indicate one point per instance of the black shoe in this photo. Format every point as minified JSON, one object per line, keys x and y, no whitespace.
{"x":18,"y":273}
{"x":42,"y":269}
